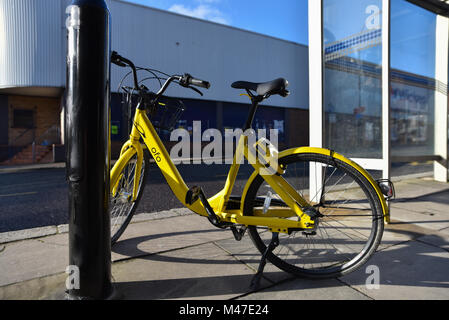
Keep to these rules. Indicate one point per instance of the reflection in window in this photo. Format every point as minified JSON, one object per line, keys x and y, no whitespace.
{"x":412,"y":98}
{"x":353,"y":77}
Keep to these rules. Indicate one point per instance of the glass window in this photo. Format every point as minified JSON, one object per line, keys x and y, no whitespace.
{"x":353,"y":77}
{"x":412,"y":99}
{"x":266,"y":118}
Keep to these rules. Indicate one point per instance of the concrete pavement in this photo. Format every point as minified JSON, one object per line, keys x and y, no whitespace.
{"x":177,"y":255}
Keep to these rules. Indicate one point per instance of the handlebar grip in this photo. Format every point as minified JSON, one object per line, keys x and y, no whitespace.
{"x":199,"y":83}
{"x":187,"y":80}
{"x":117,"y":59}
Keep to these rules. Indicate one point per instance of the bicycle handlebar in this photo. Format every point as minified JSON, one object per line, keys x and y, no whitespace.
{"x":122,"y":62}
{"x":186,"y":80}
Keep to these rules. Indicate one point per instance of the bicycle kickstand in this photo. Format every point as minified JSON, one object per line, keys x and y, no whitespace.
{"x":255,"y":282}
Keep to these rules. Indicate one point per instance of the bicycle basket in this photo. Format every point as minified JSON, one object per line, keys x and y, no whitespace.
{"x":166,"y":113}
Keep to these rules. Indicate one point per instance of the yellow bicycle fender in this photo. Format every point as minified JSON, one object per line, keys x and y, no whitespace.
{"x":326,"y":152}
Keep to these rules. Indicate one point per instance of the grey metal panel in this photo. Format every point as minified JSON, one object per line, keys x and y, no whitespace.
{"x":31,"y":43}
{"x":218,"y":53}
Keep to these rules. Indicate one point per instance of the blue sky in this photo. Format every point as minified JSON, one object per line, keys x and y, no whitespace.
{"x":412,"y":35}
{"x":285,"y":19}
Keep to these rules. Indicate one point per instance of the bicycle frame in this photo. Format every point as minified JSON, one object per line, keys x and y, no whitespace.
{"x":143,"y":128}
{"x":221,"y":203}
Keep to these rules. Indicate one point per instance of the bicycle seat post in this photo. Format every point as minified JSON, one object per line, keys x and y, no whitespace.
{"x":255,"y":100}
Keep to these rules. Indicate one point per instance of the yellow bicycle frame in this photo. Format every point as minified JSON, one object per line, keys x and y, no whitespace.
{"x":274,"y":219}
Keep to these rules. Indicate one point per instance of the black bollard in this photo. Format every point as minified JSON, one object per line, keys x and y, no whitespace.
{"x":87,"y":130}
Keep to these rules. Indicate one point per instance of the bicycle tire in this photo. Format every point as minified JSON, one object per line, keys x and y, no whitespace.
{"x":123,"y":193}
{"x":314,"y":249}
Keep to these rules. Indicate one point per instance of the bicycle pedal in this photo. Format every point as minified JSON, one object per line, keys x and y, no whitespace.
{"x":193,"y":195}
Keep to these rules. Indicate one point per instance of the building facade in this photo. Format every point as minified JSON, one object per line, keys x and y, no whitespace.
{"x":33,"y":76}
{"x":33,"y":71}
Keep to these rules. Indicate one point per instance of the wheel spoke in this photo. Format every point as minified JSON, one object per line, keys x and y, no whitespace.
{"x":345,"y":234}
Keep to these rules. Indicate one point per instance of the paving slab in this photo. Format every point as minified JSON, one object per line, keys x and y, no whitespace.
{"x":439,"y":239}
{"x":408,"y":271}
{"x":246,"y":252}
{"x":44,"y":288}
{"x":398,"y":231}
{"x":305,"y":289}
{"x":165,"y":214}
{"x":166,"y":234}
{"x":24,"y":260}
{"x":408,"y":189}
{"x":430,"y":220}
{"x":200,"y":272}
{"x":423,"y":206}
{"x":438,"y":197}
{"x":18,"y":235}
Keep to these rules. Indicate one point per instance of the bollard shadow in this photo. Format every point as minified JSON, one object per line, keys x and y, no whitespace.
{"x":407,"y":268}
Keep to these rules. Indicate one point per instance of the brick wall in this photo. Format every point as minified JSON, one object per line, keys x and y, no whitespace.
{"x":46,"y":114}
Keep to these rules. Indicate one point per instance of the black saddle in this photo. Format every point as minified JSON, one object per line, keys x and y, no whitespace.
{"x":269,"y":88}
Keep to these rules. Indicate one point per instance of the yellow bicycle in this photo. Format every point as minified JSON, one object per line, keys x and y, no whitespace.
{"x":317,"y":214}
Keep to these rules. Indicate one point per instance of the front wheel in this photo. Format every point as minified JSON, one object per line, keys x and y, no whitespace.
{"x":350,"y":226}
{"x":122,"y":206}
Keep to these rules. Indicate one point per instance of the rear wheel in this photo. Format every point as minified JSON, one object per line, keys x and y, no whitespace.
{"x":346,"y":235}
{"x":122,"y":206}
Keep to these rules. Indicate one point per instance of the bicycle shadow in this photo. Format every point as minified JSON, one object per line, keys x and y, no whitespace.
{"x":408,"y":268}
{"x":132,"y":248}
